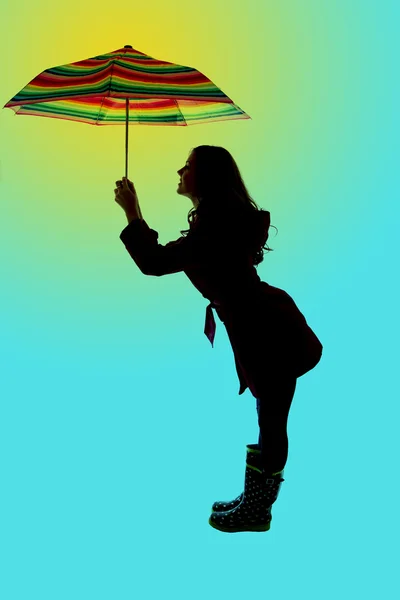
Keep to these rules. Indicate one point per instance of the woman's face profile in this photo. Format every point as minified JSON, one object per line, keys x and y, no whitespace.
{"x":186,"y":183}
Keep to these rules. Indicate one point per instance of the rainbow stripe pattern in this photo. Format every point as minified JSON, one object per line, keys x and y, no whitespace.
{"x":95,"y":90}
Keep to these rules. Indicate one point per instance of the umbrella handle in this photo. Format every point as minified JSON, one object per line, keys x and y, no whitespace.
{"x":126,"y":137}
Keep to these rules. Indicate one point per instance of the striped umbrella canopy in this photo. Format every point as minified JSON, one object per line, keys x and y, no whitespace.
{"x":125,"y":86}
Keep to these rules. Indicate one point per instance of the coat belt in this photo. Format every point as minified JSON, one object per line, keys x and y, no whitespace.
{"x":210,"y":326}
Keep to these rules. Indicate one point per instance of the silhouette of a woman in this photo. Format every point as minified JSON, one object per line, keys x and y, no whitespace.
{"x":271,"y":341}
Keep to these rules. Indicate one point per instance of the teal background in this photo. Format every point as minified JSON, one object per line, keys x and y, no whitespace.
{"x":120,"y":425}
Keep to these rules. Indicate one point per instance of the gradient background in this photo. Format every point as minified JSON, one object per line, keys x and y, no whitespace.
{"x":120,"y":425}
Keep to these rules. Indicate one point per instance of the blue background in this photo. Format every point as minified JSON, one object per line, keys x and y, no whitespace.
{"x":120,"y":425}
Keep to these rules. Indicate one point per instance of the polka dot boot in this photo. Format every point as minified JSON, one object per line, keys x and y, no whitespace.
{"x":224,"y":506}
{"x":253,"y":513}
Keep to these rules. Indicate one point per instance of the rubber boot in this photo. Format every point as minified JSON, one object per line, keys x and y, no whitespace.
{"x":225,"y":506}
{"x":253,"y":513}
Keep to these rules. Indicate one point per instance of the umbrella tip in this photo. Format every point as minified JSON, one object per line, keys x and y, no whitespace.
{"x":127,"y":46}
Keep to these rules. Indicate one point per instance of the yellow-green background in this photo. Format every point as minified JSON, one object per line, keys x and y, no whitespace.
{"x":120,"y":425}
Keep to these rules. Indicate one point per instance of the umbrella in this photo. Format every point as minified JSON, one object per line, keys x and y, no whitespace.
{"x":152,"y":92}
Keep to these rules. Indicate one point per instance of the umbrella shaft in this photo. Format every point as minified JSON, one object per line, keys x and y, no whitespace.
{"x":126,"y":137}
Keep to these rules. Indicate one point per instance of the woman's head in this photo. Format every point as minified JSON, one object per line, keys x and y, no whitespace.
{"x":210,"y":174}
{"x":212,"y":180}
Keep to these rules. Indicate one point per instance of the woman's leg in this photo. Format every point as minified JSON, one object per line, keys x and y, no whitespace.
{"x":273,"y":411}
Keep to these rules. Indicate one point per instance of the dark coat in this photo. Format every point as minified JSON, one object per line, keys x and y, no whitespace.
{"x":267,"y":331}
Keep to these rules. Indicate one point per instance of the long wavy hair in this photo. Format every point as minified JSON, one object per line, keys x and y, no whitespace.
{"x":223,"y":197}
